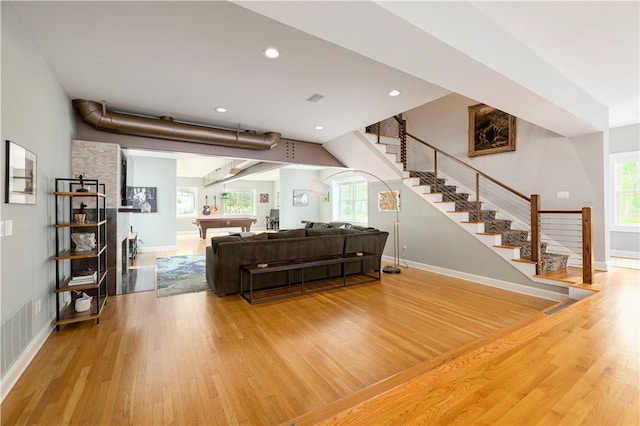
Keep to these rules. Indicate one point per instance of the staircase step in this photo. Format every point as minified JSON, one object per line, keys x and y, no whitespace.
{"x":466,"y":205}
{"x":421,"y":189}
{"x":552,"y":262}
{"x":497,"y":225}
{"x":525,"y":248}
{"x":428,"y":178}
{"x":514,"y":237}
{"x":449,"y":189}
{"x":444,"y":206}
{"x":458,"y":216}
{"x":484,"y":214}
{"x":455,"y":196}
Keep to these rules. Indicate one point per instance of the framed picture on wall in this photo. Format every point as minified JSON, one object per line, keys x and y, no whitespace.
{"x":490,"y":131}
{"x":21,"y":175}
{"x":143,"y":198}
{"x":389,"y":201}
{"x":264,"y":198}
{"x":300,"y":198}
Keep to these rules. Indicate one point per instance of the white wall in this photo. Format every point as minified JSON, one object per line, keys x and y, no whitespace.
{"x":156,"y":230}
{"x":543,"y":162}
{"x":37,"y":114}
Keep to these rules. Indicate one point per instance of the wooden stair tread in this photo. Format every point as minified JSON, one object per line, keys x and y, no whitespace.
{"x":523,"y":260}
{"x":487,"y":233}
{"x":507,"y":246}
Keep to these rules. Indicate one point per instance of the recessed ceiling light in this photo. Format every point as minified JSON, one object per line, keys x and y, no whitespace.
{"x":394,"y":92}
{"x":271,"y":52}
{"x":318,"y":127}
{"x":221,"y":109}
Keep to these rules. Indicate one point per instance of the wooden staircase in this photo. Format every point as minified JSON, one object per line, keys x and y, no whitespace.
{"x":497,"y":233}
{"x":515,"y":239}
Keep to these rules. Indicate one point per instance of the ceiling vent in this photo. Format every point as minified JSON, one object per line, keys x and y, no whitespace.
{"x":315,"y":97}
{"x":98,"y":116}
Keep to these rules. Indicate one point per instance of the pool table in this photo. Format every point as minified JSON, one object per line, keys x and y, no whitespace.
{"x":223,"y":222}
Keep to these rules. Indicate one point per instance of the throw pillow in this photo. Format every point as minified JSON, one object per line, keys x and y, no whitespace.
{"x":289,"y":233}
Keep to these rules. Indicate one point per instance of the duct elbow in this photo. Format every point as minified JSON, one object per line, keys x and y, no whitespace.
{"x":272,"y":139}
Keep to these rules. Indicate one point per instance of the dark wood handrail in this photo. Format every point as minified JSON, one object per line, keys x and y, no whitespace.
{"x":484,"y":175}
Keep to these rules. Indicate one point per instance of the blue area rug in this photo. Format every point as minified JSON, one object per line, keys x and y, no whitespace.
{"x":180,"y":274}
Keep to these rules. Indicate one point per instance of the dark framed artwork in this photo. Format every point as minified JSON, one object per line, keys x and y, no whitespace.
{"x":21,"y":174}
{"x":300,"y":198}
{"x":490,"y":131}
{"x":143,"y":198}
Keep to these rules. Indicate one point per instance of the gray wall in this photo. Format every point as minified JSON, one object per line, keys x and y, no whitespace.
{"x":543,"y":162}
{"x":291,"y":216}
{"x":37,"y":114}
{"x":156,"y":230}
{"x":434,"y":239}
{"x":625,"y":139}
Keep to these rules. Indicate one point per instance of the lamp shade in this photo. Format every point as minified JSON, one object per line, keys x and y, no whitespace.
{"x":319,"y":187}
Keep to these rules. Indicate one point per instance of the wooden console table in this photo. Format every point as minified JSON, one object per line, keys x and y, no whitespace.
{"x":290,"y":289}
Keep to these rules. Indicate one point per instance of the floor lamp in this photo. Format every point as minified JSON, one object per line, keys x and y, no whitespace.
{"x":320,"y":187}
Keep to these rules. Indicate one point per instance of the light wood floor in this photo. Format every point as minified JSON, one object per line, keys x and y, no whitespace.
{"x":414,"y":348}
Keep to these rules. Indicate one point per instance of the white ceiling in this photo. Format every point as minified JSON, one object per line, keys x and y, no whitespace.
{"x":562,"y":65}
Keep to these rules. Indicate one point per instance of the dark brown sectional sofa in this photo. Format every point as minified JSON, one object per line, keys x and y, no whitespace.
{"x":227,"y":254}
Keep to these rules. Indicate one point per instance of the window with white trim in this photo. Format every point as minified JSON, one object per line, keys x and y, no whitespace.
{"x":625,"y":177}
{"x":186,"y":197}
{"x":239,"y":203}
{"x":350,"y":200}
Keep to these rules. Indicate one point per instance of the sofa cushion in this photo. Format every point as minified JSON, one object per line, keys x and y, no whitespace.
{"x":290,"y":233}
{"x":222,"y":239}
{"x":312,"y":232}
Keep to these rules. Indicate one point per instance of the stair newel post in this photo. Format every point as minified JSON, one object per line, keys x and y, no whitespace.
{"x":435,"y":171}
{"x":535,"y":231}
{"x":402,"y":128}
{"x":587,"y":247}
{"x":477,"y":197}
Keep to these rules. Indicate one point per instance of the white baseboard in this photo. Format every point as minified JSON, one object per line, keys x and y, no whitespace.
{"x":158,"y":248}
{"x":625,"y":253}
{"x":491,"y":282}
{"x":188,"y":232}
{"x":9,"y":380}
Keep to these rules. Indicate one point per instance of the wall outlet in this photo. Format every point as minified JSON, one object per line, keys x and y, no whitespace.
{"x":8,"y":228}
{"x":562,"y":194}
{"x":38,"y":306}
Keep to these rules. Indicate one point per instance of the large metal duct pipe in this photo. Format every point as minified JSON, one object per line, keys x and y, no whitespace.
{"x":99,"y":117}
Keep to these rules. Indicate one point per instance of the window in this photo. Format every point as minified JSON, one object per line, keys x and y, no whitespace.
{"x":351,"y":201}
{"x":239,"y":203}
{"x":625,"y":169}
{"x":186,"y":201}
